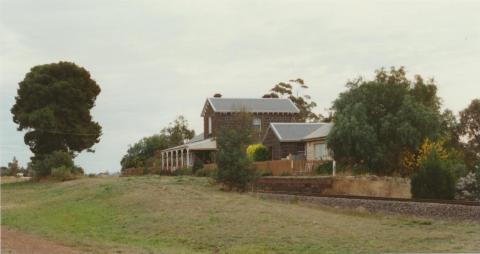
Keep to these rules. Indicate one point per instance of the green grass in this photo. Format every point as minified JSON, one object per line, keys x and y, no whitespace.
{"x":190,"y":215}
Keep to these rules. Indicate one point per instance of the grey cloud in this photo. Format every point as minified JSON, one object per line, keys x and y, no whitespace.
{"x":157,"y":59}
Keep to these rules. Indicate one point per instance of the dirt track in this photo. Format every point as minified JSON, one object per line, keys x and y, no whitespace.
{"x":16,"y":242}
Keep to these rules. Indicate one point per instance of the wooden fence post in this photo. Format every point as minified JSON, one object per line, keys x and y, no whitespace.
{"x":333,"y":167}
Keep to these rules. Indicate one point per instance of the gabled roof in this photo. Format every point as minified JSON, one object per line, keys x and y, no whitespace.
{"x":254,"y":105}
{"x":321,"y":132}
{"x":294,"y":132}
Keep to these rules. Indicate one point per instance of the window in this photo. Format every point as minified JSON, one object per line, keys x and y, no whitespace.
{"x":257,"y":124}
{"x":321,"y":152}
{"x":210,"y":125}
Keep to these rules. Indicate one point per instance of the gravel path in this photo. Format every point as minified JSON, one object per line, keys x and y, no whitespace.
{"x":16,"y":242}
{"x":432,"y":210}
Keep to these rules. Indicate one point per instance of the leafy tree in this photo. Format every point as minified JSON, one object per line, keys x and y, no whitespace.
{"x":470,"y":129}
{"x":13,"y":167}
{"x":178,"y":131}
{"x":234,"y":167}
{"x":450,"y":156}
{"x":53,"y":105}
{"x":293,"y":90}
{"x":43,"y":165}
{"x":139,"y":153}
{"x":450,"y":130}
{"x":379,"y":120}
{"x":4,"y":171}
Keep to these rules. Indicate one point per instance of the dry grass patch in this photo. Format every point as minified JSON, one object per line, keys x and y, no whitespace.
{"x":190,"y":215}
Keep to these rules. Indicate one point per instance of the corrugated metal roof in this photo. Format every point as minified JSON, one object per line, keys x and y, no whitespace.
{"x":197,"y":138}
{"x":294,"y":131}
{"x":258,"y":105}
{"x":320,"y":132}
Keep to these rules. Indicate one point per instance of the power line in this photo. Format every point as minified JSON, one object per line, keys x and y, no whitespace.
{"x":67,"y":133}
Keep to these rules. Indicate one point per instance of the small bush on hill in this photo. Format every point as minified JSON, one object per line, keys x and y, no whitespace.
{"x":203,"y":172}
{"x":468,"y":187}
{"x":324,"y":168}
{"x":43,"y":165}
{"x":197,"y":164}
{"x":257,"y":152}
{"x":433,"y":180}
{"x":62,"y":173}
{"x":182,"y":172}
{"x":264,"y":172}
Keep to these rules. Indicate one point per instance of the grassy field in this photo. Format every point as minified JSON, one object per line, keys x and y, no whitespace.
{"x":190,"y":215}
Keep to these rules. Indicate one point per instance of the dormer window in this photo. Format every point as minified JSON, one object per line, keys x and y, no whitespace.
{"x":257,"y":124}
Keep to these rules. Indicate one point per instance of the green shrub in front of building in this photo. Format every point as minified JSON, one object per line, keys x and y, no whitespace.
{"x":258,"y":152}
{"x":433,"y":180}
{"x":324,"y":168}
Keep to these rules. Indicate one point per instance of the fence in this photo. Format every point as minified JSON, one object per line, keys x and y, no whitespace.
{"x":288,"y":167}
{"x":278,"y":168}
{"x":210,"y":166}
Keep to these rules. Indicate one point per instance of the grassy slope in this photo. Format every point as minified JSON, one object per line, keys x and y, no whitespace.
{"x":188,"y":215}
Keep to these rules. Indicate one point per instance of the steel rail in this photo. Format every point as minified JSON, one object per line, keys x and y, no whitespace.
{"x":435,"y":201}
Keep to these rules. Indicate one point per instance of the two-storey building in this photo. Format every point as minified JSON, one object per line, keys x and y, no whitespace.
{"x":220,"y":113}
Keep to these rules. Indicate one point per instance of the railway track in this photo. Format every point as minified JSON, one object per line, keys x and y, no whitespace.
{"x":435,"y":201}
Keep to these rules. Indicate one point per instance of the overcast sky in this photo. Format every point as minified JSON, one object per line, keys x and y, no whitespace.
{"x":155,"y":60}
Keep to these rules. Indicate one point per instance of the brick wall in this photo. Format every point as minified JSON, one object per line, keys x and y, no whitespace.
{"x":348,"y":185}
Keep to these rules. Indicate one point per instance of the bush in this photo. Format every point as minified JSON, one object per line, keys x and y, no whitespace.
{"x":458,"y":169}
{"x":77,"y":170}
{"x":258,"y":152}
{"x":204,"y":172}
{"x":433,"y":180}
{"x":43,"y":165}
{"x":324,"y":168}
{"x":264,"y":172}
{"x":235,"y":170}
{"x":62,"y":173}
{"x":197,"y":164}
{"x":182,"y":172}
{"x":286,"y":173}
{"x":468,"y":187}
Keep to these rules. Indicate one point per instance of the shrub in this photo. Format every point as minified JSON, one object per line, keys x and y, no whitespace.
{"x":77,"y":170}
{"x":433,"y":180}
{"x":264,"y":172}
{"x":285,"y":173}
{"x":234,"y":168}
{"x":197,"y":164}
{"x":182,"y":172}
{"x":324,"y":168}
{"x":257,"y":152}
{"x":204,"y":172}
{"x":468,"y":187}
{"x":62,"y":173}
{"x":458,"y":169}
{"x":43,"y":165}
